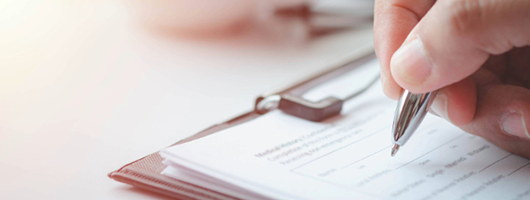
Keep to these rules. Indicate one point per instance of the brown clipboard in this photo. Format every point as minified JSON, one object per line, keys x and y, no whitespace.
{"x":145,"y":172}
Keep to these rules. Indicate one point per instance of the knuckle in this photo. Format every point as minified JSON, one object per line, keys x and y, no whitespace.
{"x":510,"y":98}
{"x":521,"y":104}
{"x":465,"y":16}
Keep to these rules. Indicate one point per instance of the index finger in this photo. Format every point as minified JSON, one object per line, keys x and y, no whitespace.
{"x":393,"y":21}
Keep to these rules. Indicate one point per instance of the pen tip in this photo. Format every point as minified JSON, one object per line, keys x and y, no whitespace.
{"x":395,"y":149}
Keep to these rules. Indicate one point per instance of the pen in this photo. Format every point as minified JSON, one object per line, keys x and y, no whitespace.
{"x":410,"y":111}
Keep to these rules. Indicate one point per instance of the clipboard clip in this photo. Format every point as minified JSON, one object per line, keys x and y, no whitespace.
{"x":289,"y":98}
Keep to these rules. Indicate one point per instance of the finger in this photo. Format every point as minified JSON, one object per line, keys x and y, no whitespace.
{"x":393,"y":21}
{"x":455,"y":38}
{"x":457,"y":102}
{"x":502,"y":116}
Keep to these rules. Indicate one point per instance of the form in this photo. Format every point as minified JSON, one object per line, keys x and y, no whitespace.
{"x":348,"y":156}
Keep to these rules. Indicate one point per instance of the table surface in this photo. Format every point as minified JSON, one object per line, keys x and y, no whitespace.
{"x":85,"y":89}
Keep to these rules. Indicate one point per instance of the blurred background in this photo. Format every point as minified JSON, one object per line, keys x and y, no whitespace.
{"x":88,"y":86}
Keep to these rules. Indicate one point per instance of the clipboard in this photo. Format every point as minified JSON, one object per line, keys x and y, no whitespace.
{"x":145,"y":172}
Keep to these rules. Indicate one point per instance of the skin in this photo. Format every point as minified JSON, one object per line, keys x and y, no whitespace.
{"x":478,"y":53}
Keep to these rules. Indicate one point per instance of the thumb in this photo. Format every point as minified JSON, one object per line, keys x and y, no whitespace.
{"x":455,"y":38}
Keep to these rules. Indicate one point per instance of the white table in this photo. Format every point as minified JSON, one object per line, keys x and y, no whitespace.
{"x":84,"y":90}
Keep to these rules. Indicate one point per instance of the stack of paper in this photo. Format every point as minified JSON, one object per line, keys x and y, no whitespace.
{"x":278,"y":156}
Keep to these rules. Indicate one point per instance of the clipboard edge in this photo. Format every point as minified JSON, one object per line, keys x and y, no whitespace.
{"x":177,"y":188}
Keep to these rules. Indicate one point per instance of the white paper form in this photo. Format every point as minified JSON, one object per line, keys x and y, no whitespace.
{"x":348,"y":156}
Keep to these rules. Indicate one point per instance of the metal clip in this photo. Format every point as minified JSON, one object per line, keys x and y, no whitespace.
{"x":289,"y":99}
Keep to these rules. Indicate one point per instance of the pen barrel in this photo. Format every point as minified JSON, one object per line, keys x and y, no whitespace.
{"x":409,"y":114}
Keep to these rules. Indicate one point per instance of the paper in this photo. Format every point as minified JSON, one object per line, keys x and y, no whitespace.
{"x":278,"y":156}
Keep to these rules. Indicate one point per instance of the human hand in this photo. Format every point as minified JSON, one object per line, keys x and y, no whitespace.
{"x":476,"y":52}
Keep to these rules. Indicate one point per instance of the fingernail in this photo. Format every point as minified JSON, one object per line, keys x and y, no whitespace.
{"x":439,"y":106}
{"x":411,"y":63}
{"x":513,"y":123}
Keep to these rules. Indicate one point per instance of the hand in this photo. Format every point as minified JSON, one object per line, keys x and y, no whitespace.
{"x":476,"y":52}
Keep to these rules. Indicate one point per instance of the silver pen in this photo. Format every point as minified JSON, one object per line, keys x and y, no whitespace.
{"x":410,"y":111}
